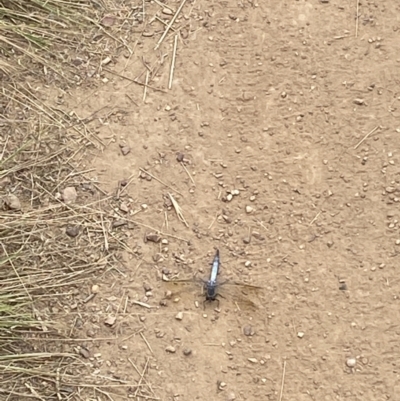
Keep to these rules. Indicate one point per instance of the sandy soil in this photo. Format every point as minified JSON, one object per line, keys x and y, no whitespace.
{"x":282,"y":102}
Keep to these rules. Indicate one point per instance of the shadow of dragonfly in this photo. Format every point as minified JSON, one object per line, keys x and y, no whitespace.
{"x":213,"y":289}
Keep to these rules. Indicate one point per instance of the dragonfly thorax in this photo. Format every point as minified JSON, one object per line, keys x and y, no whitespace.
{"x":211,"y":290}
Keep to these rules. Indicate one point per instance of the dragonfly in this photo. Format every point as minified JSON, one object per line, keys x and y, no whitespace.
{"x":212,"y":285}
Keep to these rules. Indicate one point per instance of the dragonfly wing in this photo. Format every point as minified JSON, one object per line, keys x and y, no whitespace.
{"x":187,"y":288}
{"x":245,"y":295}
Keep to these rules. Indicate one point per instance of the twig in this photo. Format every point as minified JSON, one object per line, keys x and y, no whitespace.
{"x":143,"y":304}
{"x":147,"y":343}
{"x":141,"y":377}
{"x":170,"y":24}
{"x":213,"y":221}
{"x":366,"y":136}
{"x":126,"y":305}
{"x":166,"y":220}
{"x":58,"y":384}
{"x":4,"y":148}
{"x":104,"y":233}
{"x":121,"y":190}
{"x":16,"y":272}
{"x":34,"y":392}
{"x":131,"y":100}
{"x":171,"y":73}
{"x":132,"y":335}
{"x":357,"y":8}
{"x":105,"y":393}
{"x":315,"y":218}
{"x":145,"y":85}
{"x":187,"y":172}
{"x":283,"y":380}
{"x":134,"y":81}
{"x":164,"y":5}
{"x":178,"y":210}
{"x":262,"y":225}
{"x":163,"y":22}
{"x":158,"y":231}
{"x":161,"y":182}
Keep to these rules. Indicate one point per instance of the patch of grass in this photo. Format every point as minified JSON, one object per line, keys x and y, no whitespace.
{"x":44,"y":271}
{"x":60,"y":38}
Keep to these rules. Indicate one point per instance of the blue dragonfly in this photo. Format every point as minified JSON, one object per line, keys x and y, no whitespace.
{"x":212,"y":286}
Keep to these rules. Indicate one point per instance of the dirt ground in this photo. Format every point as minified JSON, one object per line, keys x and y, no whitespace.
{"x":294,"y":105}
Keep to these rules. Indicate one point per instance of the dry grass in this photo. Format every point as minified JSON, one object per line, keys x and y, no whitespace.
{"x":62,"y":40}
{"x":41,"y":267}
{"x":43,"y":271}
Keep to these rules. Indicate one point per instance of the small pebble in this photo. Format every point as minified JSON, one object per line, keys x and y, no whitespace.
{"x":351,"y":362}
{"x":119,"y":223}
{"x":125,"y":150}
{"x":221,"y":385}
{"x":229,"y":197}
{"x":235,"y":192}
{"x":90,"y":333}
{"x":84,"y":352}
{"x":12,"y":202}
{"x":72,"y":231}
{"x":231,"y":397}
{"x":187,"y":352}
{"x":179,"y":316}
{"x":248,"y":330}
{"x":300,"y":334}
{"x":247,"y":263}
{"x":252,"y":360}
{"x":246,"y":240}
{"x":227,"y":219}
{"x":249,"y":209}
{"x":152,"y":237}
{"x":69,"y":195}
{"x":124,"y":207}
{"x":110,"y":321}
{"x":170,"y":349}
{"x":167,"y":11}
{"x":95,"y":289}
